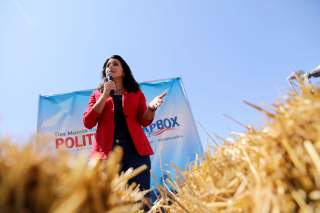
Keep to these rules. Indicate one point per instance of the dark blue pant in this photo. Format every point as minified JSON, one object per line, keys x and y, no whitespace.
{"x":134,"y":161}
{"x":131,"y":159}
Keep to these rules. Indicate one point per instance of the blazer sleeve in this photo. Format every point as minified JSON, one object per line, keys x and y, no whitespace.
{"x":142,"y":108}
{"x":90,"y":117}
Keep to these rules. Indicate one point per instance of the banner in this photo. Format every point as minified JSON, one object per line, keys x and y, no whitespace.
{"x":173,"y":134}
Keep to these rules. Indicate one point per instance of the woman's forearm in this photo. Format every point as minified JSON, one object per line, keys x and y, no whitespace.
{"x":149,"y":114}
{"x":154,"y":104}
{"x":99,"y":105}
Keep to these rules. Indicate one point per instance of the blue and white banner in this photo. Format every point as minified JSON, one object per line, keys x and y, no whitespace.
{"x":173,"y":134}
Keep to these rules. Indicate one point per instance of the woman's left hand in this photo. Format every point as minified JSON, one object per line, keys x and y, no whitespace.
{"x":156,"y":102}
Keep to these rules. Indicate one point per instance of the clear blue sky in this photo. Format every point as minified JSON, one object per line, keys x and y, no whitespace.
{"x":225,"y":51}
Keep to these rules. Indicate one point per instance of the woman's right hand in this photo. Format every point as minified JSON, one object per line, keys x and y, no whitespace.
{"x":107,"y":87}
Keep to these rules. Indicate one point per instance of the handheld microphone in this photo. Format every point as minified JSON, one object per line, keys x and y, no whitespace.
{"x":109,"y":78}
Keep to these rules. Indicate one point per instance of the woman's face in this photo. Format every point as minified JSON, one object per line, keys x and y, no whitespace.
{"x":115,"y":68}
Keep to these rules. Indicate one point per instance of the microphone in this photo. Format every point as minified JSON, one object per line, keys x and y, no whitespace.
{"x":109,"y":78}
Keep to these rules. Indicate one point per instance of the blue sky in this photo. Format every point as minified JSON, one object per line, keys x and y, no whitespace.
{"x":225,"y":51}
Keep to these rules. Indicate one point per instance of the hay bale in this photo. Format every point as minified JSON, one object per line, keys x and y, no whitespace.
{"x":273,"y":169}
{"x":31,"y":182}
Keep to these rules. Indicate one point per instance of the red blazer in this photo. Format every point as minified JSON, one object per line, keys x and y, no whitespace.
{"x":134,"y":106}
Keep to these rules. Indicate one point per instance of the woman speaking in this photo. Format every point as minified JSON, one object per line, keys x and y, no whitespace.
{"x":119,"y":108}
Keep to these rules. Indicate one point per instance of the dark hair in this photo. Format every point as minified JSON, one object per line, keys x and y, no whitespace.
{"x":129,"y":83}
